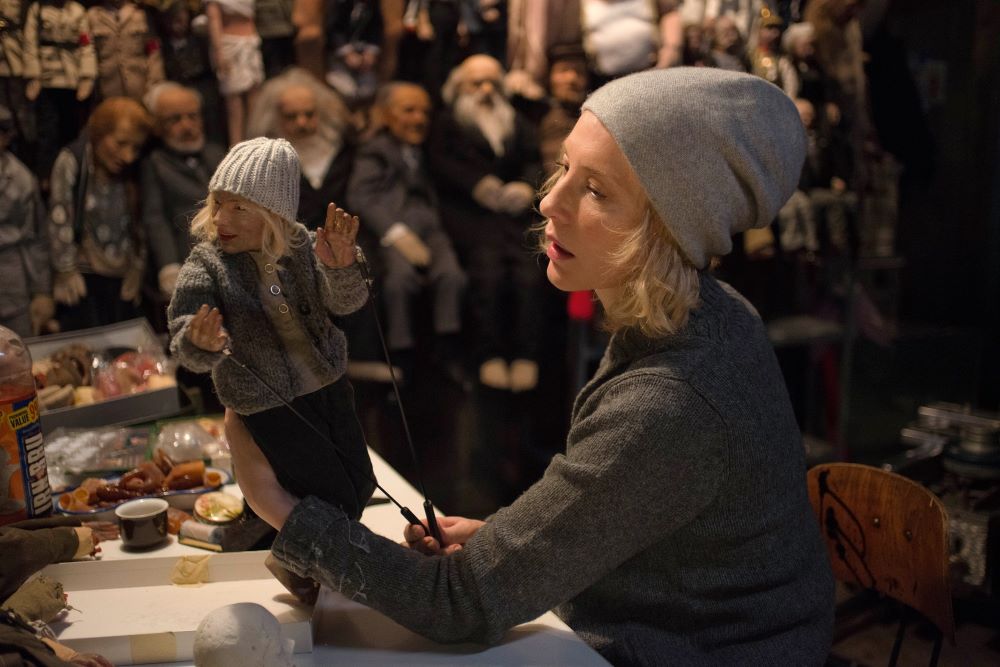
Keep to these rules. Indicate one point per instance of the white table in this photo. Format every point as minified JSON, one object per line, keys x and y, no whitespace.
{"x":347,"y":633}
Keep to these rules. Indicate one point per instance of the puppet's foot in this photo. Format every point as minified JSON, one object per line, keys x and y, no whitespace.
{"x":305,"y":590}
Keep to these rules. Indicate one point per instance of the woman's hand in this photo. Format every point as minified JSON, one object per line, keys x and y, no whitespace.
{"x":335,"y":240}
{"x":455,"y":531}
{"x":205,"y":330}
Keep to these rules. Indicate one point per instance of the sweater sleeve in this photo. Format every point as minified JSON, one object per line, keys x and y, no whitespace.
{"x":195,"y":287}
{"x":25,"y":552}
{"x":642,"y":462}
{"x":62,"y":212}
{"x":343,"y":289}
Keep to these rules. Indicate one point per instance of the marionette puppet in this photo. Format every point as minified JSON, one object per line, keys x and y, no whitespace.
{"x":129,"y":61}
{"x":252,"y":305}
{"x":239,"y":64}
{"x":60,"y":66}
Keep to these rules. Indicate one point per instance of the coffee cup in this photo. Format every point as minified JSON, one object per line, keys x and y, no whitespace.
{"x":142,"y":522}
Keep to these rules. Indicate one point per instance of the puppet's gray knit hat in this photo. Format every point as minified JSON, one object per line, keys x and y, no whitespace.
{"x":717,"y":152}
{"x":265,"y":171}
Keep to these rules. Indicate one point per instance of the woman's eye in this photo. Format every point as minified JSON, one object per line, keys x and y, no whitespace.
{"x":597,"y":194}
{"x":562,"y":164}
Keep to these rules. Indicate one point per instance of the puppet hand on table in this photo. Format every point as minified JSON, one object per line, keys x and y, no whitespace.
{"x":455,"y":531}
{"x":205,"y":330}
{"x":335,"y":240}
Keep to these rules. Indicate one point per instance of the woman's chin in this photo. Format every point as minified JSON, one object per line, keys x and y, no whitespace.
{"x":560,"y":280}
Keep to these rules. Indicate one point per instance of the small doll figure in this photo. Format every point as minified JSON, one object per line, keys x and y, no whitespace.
{"x":12,"y":15}
{"x":129,"y":61}
{"x":239,"y":64}
{"x":765,"y":59}
{"x":354,"y":30}
{"x":275,"y":285}
{"x":27,"y":304}
{"x":60,"y":67}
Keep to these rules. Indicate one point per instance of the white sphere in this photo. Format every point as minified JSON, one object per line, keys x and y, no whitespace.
{"x":241,"y":635}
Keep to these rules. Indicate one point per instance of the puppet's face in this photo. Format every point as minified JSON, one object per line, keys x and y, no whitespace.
{"x":407,"y":115}
{"x":727,"y":35}
{"x":298,"y":113}
{"x":115,"y":151}
{"x":597,"y":201}
{"x":482,"y":78}
{"x":178,"y":116}
{"x":568,"y":81}
{"x":804,"y":48}
{"x":238,"y":222}
{"x":768,"y":36}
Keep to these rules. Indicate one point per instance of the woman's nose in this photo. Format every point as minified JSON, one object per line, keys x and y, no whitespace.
{"x":552,"y":205}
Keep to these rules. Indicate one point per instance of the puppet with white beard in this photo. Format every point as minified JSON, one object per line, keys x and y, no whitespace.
{"x":484,"y":156}
{"x":313,"y":118}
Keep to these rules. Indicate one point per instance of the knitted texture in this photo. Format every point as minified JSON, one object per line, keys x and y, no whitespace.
{"x":231,"y":283}
{"x":717,"y":152}
{"x":675,"y":530}
{"x":265,"y":171}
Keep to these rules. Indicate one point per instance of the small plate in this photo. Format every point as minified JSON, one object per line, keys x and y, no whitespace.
{"x":180,"y":499}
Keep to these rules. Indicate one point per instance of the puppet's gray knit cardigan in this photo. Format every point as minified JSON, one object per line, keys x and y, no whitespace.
{"x":231,"y":283}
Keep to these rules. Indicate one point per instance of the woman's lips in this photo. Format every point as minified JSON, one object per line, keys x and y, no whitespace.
{"x":226,"y":237}
{"x":557,"y":252}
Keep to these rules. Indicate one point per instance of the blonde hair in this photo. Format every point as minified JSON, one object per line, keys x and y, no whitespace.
{"x":280,"y":235}
{"x":659,"y":286}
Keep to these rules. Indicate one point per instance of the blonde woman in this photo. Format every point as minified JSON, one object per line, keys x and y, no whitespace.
{"x":274,"y":285}
{"x":676,"y":529}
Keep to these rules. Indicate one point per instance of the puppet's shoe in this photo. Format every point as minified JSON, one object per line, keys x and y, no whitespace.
{"x":305,"y":590}
{"x":495,"y":374}
{"x":523,"y":375}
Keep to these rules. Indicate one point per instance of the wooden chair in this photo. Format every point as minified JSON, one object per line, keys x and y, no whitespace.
{"x":888,"y":534}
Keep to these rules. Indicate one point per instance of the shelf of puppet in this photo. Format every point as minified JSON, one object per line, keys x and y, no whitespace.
{"x":104,"y":376}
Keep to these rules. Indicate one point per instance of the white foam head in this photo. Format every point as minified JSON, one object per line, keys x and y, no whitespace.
{"x":244,"y":634}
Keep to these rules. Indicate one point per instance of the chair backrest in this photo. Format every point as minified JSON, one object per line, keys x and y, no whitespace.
{"x":886,"y":533}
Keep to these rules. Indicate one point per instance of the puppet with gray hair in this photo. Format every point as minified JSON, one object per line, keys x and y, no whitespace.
{"x":313,"y":118}
{"x":485,"y":159}
{"x":173,"y":177}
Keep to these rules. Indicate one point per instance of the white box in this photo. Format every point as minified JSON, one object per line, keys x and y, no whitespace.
{"x":129,"y":612}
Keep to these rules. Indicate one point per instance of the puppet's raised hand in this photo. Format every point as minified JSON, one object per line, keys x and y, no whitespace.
{"x":335,"y":240}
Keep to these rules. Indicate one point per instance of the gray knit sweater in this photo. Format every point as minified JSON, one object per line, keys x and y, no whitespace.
{"x":231,"y":283}
{"x":676,"y":529}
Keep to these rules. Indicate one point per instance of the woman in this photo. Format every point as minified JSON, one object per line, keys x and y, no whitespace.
{"x":98,"y":246}
{"x":676,"y":529}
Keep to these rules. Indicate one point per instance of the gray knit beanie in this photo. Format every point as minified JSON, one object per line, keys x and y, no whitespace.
{"x":265,"y":171}
{"x":717,"y":152}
